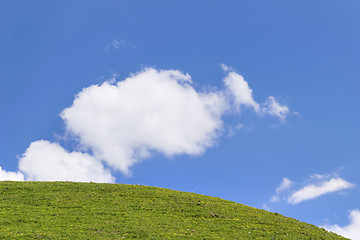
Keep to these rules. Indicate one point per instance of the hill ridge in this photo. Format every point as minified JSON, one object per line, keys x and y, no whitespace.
{"x":68,"y":210}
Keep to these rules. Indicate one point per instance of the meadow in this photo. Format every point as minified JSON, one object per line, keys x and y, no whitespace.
{"x":67,"y":210}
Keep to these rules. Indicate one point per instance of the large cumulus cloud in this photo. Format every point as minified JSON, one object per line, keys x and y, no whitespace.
{"x":151,"y":111}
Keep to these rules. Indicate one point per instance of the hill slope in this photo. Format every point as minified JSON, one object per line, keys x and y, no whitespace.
{"x":65,"y":210}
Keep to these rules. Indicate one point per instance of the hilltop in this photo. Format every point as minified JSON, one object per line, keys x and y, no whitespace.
{"x":67,"y":210}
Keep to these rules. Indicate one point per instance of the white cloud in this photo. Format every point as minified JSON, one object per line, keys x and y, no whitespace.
{"x":118,"y":44}
{"x":352,"y":230}
{"x":242,"y":95}
{"x":122,"y":123}
{"x":275,"y":198}
{"x":312,"y":191}
{"x":149,"y":111}
{"x":266,"y":207}
{"x":316,"y":186}
{"x":10,"y":176}
{"x":225,"y":67}
{"x":233,"y":129}
{"x":240,"y":91}
{"x":285,"y":185}
{"x":45,"y":161}
{"x":239,"y":126}
{"x":272,"y":107}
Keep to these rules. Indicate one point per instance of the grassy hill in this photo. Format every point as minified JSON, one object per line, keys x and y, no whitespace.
{"x":65,"y":210}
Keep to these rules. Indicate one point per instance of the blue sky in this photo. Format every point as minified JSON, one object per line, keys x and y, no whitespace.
{"x":302,"y":54}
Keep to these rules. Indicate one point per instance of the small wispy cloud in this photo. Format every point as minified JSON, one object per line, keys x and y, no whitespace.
{"x":274,"y":108}
{"x":233,"y":129}
{"x":243,"y":96}
{"x":241,"y":92}
{"x":266,"y":207}
{"x":352,"y":230}
{"x":313,"y":191}
{"x":226,"y":68}
{"x":316,"y":186}
{"x":284,"y":185}
{"x":118,"y":44}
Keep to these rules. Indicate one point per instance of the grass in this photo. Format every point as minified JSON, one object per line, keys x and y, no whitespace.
{"x":66,"y":210}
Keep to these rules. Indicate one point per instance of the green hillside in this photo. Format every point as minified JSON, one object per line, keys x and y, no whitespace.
{"x":66,"y":210}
